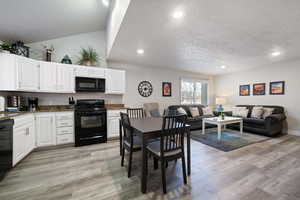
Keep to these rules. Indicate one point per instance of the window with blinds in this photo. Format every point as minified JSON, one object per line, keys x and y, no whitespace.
{"x":194,"y":91}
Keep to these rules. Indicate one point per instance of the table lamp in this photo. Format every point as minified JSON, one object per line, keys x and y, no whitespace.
{"x":220,"y":101}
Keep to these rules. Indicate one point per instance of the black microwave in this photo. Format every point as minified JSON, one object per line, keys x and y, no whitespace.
{"x":90,"y":84}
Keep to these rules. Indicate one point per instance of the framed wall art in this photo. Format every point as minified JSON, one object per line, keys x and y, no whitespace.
{"x":244,"y":90}
{"x":259,"y":89}
{"x":277,"y":88}
{"x":166,"y":89}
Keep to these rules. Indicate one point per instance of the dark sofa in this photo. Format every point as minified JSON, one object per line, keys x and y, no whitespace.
{"x":196,"y":123}
{"x":271,"y":126}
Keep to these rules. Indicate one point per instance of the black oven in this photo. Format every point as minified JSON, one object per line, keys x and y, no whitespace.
{"x":90,"y":84}
{"x":90,"y":122}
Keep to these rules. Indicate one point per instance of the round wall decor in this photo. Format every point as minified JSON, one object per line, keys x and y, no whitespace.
{"x":145,"y":88}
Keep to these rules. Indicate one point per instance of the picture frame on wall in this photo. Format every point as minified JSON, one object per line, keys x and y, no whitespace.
{"x":277,"y":88}
{"x":245,"y":90}
{"x":166,"y":89}
{"x":259,"y":89}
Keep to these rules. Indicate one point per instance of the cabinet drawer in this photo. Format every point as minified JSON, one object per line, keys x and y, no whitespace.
{"x":64,"y":123}
{"x":64,"y":139}
{"x":114,"y":113}
{"x":64,"y":116}
{"x":64,"y":130}
{"x":23,"y":120}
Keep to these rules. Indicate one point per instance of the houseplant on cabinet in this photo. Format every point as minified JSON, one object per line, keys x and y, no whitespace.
{"x":88,"y":57}
{"x":5,"y":47}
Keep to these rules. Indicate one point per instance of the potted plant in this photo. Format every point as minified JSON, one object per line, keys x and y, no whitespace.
{"x":88,"y":57}
{"x":6,"y":47}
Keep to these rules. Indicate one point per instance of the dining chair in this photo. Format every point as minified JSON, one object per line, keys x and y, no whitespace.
{"x":170,"y":146}
{"x":136,"y":113}
{"x":130,"y":143}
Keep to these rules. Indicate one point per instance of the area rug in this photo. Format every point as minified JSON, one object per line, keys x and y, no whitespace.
{"x":230,"y":139}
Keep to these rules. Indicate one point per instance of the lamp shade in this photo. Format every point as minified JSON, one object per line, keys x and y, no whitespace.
{"x":220,"y":100}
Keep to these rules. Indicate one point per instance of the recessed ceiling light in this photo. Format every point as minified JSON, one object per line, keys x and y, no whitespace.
{"x":223,"y":67}
{"x":105,"y":3}
{"x":177,"y":14}
{"x":140,"y":51}
{"x":276,"y":53}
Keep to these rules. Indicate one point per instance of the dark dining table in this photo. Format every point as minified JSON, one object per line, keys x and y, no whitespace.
{"x":150,"y":128}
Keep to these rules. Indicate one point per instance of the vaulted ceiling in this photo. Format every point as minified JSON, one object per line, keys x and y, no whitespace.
{"x":211,"y":33}
{"x":37,"y":20}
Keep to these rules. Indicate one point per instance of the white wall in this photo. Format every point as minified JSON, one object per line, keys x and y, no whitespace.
{"x":71,"y":45}
{"x":116,"y":16}
{"x":135,"y":74}
{"x":228,"y":85}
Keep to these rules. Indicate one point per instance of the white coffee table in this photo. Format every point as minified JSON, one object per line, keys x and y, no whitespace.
{"x":222,"y":122}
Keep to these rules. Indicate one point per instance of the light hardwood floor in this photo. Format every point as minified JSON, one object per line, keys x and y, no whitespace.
{"x":263,"y":171}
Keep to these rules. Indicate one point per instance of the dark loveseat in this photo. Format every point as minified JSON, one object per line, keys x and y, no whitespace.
{"x":196,"y":123}
{"x":271,"y":126}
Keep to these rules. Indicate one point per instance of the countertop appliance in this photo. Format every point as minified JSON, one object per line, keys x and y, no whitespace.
{"x":33,"y":103}
{"x":16,"y":103}
{"x":90,"y":84}
{"x":6,"y":146}
{"x":90,"y":122}
{"x":2,"y":104}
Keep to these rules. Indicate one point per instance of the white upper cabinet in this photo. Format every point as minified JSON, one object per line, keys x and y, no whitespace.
{"x":90,"y":72}
{"x":47,"y":77}
{"x":25,"y":74}
{"x":65,"y":78}
{"x":18,"y":73}
{"x":115,"y":81}
{"x":28,"y":74}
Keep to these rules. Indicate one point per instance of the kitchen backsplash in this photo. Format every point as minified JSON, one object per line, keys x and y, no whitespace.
{"x":62,"y":99}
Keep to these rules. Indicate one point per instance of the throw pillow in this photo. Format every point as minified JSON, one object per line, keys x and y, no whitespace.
{"x":243,"y":113}
{"x":267,"y":112}
{"x":236,"y":110}
{"x":181,"y":111}
{"x":155,"y":113}
{"x":257,"y":112}
{"x":207,"y":111}
{"x":194,"y":111}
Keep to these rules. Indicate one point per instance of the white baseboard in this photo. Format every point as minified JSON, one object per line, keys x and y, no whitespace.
{"x":294,"y":132}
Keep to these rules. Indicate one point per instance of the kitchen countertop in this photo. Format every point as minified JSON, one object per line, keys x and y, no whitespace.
{"x":11,"y":115}
{"x":115,"y":106}
{"x":54,"y":108}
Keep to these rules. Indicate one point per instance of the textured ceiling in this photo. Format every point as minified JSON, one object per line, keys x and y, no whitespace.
{"x":239,"y":34}
{"x":37,"y":20}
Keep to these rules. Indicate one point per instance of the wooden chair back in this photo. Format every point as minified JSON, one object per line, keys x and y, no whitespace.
{"x":172,"y":135}
{"x":136,"y":113}
{"x":127,"y":129}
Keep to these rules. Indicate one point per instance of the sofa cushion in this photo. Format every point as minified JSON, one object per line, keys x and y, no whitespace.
{"x":257,"y":112}
{"x":267,"y":112}
{"x":187,"y":108}
{"x":240,"y":112}
{"x":254,"y":121}
{"x":207,"y":111}
{"x":181,"y":111}
{"x":194,"y":111}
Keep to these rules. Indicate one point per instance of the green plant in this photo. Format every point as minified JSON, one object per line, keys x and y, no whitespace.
{"x":6,"y":46}
{"x":88,"y":57}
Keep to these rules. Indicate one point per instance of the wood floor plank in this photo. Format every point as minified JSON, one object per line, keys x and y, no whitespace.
{"x":267,"y":170}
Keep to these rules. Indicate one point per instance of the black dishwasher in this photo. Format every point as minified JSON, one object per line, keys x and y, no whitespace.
{"x":6,"y":146}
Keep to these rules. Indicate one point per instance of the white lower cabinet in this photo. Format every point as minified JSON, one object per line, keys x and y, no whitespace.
{"x":23,"y":137}
{"x":54,"y":128}
{"x":113,"y":118}
{"x":64,"y":128}
{"x":45,"y":129}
